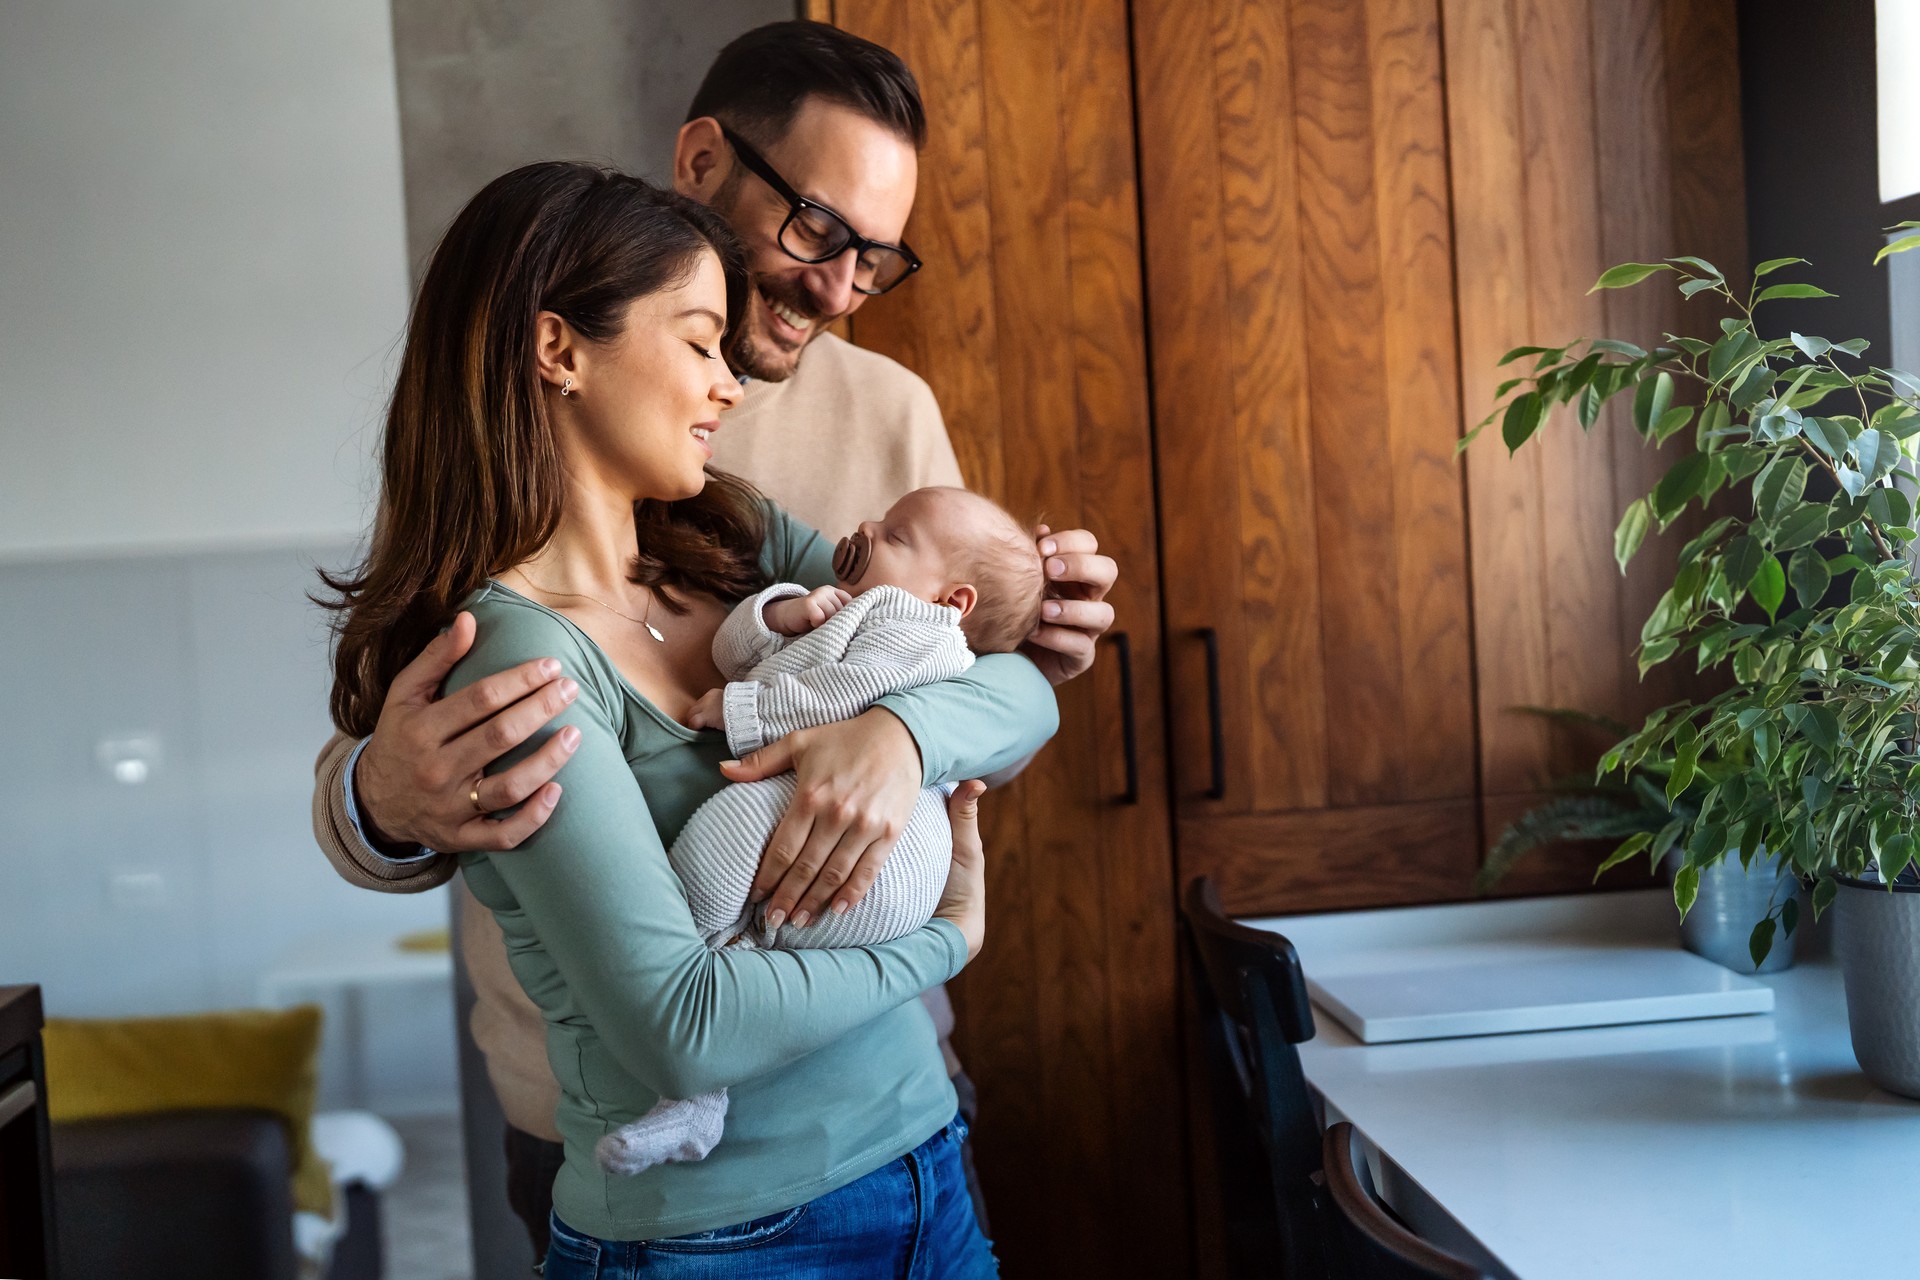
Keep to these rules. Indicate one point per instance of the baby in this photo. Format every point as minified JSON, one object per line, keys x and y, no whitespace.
{"x":944,"y":575}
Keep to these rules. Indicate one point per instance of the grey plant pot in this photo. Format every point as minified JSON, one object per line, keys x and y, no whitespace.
{"x":1732,"y":900}
{"x":1876,"y":934}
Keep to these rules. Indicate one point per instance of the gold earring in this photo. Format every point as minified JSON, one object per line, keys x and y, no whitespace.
{"x":566,"y":388}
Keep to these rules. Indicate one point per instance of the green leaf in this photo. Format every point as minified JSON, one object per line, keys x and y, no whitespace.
{"x":1624,"y":850}
{"x":1741,"y":560}
{"x":1760,"y":941}
{"x":1780,"y":487}
{"x":1853,"y":346}
{"x":1632,"y":531}
{"x":1769,"y":586}
{"x":1771,"y":292}
{"x":1714,"y":420}
{"x":1752,"y":385}
{"x":1829,"y":435}
{"x":1523,"y":418}
{"x":1691,"y":287}
{"x":1889,"y":506}
{"x":1686,"y":887}
{"x":1790,"y":915}
{"x":1704,"y":539}
{"x":1800,"y":527}
{"x":1901,"y":245}
{"x":1812,"y":348}
{"x":1518,"y":352}
{"x":1821,"y":727}
{"x":1766,"y":743}
{"x":1679,"y":485}
{"x":1674,"y":419}
{"x":1686,"y":762}
{"x":1587,"y":406}
{"x":1772,"y":265}
{"x":1877,"y":454}
{"x":1808,"y":573}
{"x":1618,"y":348}
{"x":1729,"y":352}
{"x":1823,"y":895}
{"x":1698,"y":264}
{"x":1627,"y":273}
{"x":1895,"y":854}
{"x":1650,"y":400}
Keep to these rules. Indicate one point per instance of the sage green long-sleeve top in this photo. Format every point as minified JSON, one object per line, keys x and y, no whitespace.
{"x":832,"y":1063}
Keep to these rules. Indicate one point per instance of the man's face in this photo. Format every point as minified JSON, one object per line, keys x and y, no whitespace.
{"x":837,"y":157}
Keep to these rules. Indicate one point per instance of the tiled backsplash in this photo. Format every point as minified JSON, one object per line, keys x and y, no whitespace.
{"x":162,"y":716}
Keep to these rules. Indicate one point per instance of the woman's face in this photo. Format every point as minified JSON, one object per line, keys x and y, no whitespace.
{"x":644,"y":402}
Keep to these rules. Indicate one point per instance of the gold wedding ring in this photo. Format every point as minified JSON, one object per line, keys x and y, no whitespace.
{"x":474,"y":795}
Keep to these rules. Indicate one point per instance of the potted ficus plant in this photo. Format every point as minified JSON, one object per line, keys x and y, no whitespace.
{"x":1801,"y":590}
{"x":1633,"y":801}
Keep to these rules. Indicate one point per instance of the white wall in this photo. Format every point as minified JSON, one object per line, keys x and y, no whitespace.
{"x":203,"y":261}
{"x":203,"y":273}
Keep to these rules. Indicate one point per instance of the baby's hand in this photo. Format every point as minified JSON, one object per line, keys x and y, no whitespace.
{"x":709,"y":712}
{"x":797,"y":615}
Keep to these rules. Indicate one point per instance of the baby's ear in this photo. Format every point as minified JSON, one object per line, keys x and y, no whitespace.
{"x":962,"y":597}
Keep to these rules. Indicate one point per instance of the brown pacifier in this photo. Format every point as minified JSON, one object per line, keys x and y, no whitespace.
{"x":850,"y":557}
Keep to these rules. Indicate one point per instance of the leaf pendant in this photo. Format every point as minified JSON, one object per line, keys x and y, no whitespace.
{"x":654,"y":632}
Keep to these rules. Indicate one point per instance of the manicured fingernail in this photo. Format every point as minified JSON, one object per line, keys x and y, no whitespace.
{"x":729,"y":764}
{"x":569,"y":690}
{"x":1050,"y":610}
{"x":800,"y":919}
{"x":776,"y":918}
{"x":569,"y":738}
{"x":841,"y":907}
{"x":1048,"y":547}
{"x":549,"y":668}
{"x":1056,"y":567}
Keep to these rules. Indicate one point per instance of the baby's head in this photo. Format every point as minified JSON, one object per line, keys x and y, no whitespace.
{"x":952,"y":547}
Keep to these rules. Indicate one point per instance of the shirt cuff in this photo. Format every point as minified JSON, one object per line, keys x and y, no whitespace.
{"x":353,"y":816}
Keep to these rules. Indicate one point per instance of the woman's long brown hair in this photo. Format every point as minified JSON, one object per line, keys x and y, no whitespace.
{"x":470,"y":481}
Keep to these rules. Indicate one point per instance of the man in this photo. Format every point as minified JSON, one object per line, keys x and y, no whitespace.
{"x":807,"y":139}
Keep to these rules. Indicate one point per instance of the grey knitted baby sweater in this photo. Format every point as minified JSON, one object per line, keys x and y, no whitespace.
{"x":882,"y":641}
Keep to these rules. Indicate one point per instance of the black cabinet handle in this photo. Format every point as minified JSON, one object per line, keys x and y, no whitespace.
{"x":1130,"y":744}
{"x":1216,"y":730}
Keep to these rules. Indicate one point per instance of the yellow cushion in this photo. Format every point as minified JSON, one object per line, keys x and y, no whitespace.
{"x":255,"y":1058}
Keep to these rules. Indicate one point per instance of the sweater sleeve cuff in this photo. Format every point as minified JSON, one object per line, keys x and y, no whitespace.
{"x":956,"y":945}
{"x":741,"y":707}
{"x":421,"y":854}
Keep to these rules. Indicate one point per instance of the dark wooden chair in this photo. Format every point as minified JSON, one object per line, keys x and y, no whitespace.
{"x":1252,"y":1000}
{"x":1364,"y":1240}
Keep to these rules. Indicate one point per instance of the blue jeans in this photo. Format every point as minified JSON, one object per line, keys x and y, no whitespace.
{"x":912,"y":1218}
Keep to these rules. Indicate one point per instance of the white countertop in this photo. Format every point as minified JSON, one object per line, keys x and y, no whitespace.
{"x":1726,"y":1147}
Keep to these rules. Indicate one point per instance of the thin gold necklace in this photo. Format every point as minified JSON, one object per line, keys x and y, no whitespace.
{"x":578,"y":595}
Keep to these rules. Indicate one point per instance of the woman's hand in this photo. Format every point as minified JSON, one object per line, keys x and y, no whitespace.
{"x":964,"y":900}
{"x":858,"y":780}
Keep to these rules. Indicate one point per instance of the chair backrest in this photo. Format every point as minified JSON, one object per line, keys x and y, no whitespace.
{"x":1365,"y":1241}
{"x":1252,"y":999}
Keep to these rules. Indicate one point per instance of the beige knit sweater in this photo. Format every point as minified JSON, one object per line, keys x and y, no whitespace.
{"x":835,"y":444}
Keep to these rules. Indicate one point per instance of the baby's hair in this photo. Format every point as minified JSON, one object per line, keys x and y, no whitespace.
{"x":1011,"y":583}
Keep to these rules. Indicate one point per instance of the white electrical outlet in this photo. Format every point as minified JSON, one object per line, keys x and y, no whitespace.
{"x":128,"y":758}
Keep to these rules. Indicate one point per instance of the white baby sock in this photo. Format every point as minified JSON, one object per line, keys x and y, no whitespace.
{"x":672,"y":1130}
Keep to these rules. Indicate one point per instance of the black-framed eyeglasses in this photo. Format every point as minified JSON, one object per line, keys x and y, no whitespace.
{"x":814,"y":233}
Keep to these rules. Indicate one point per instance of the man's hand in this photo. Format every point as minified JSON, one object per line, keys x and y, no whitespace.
{"x":415,"y":781}
{"x":797,"y":615}
{"x":709,"y":712}
{"x":1076,"y":613}
{"x":858,"y":781}
{"x":964,"y":899}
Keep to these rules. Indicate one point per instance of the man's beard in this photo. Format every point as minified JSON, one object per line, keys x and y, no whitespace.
{"x":758,"y":356}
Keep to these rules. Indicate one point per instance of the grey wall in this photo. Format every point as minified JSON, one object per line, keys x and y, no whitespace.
{"x":203,"y":261}
{"x":486,"y":85}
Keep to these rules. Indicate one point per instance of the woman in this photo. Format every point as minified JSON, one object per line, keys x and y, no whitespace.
{"x":560,"y":378}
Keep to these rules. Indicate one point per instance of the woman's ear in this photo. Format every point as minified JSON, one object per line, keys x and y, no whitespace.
{"x":962,"y":597}
{"x":556,"y":351}
{"x":701,"y":159}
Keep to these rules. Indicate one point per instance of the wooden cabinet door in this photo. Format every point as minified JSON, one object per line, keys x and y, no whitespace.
{"x":1028,"y":324}
{"x":1300,"y":282}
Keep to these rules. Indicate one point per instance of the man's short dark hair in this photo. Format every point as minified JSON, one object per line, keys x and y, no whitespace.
{"x":758,"y":82}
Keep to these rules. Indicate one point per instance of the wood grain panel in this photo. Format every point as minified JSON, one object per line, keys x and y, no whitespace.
{"x":1284,"y":743}
{"x":1419,"y":348}
{"x":1193,"y":389}
{"x":1340,"y":253}
{"x":1335,"y":859}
